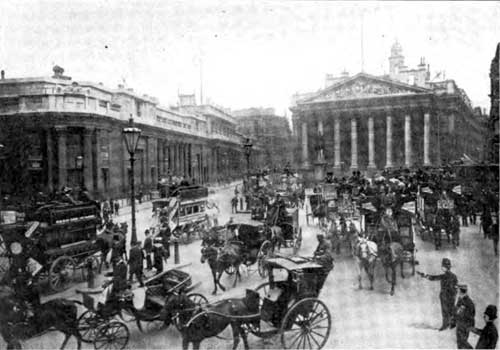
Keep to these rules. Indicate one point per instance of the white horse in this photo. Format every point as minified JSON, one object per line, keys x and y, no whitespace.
{"x":365,"y":253}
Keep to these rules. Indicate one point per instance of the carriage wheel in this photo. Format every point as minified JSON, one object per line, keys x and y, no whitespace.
{"x":306,"y":325}
{"x":88,"y":323}
{"x":61,"y":273}
{"x":95,"y":261}
{"x":263,"y":253}
{"x":113,"y":335}
{"x":198,"y":299}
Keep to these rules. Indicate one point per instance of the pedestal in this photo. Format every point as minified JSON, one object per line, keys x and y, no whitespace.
{"x":319,"y":170}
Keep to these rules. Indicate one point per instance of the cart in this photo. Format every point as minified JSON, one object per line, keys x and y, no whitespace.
{"x":100,"y":324}
{"x":289,"y":307}
{"x":57,"y":238}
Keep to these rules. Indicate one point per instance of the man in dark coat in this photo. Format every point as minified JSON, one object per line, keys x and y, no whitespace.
{"x":448,"y":291}
{"x":119,"y":275}
{"x":135,"y":263}
{"x":494,"y":233}
{"x":488,"y":336}
{"x":148,"y":249}
{"x":464,"y":317}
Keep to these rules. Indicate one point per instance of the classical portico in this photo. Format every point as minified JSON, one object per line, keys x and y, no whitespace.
{"x":369,"y":123}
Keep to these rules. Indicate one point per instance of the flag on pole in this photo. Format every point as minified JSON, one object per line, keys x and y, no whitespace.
{"x":410,"y":207}
{"x":457,"y":189}
{"x":368,"y":206}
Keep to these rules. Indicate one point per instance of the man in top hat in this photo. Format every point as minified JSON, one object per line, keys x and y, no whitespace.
{"x":488,"y":336}
{"x":135,"y":262}
{"x":448,"y":291}
{"x":464,"y":317}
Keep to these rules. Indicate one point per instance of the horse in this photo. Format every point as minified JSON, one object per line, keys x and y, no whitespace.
{"x":275,"y":234}
{"x":365,"y":253}
{"x":391,"y":254}
{"x":16,"y":325}
{"x":197,"y":324}
{"x":220,"y":259}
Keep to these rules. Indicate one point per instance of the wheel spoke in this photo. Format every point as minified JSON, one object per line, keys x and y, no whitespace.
{"x":297,"y":337}
{"x":312,"y":336}
{"x":319,"y":321}
{"x":308,"y":341}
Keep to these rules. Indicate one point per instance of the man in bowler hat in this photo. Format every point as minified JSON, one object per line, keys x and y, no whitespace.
{"x":448,"y":291}
{"x":135,"y":263}
{"x":464,"y":317}
{"x":488,"y":336}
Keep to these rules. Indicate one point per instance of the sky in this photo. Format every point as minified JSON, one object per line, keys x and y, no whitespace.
{"x":245,"y":53}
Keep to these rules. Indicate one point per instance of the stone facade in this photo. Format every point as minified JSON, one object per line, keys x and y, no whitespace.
{"x":492,"y":147}
{"x":59,"y":132}
{"x":368,"y":123}
{"x":271,"y":132}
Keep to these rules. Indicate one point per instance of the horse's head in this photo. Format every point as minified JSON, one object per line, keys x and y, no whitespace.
{"x":363,"y":249}
{"x":175,"y":306}
{"x":208,"y":253}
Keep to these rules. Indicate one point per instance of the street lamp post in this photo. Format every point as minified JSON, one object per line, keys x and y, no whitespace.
{"x":131,"y":135}
{"x":247,"y":146}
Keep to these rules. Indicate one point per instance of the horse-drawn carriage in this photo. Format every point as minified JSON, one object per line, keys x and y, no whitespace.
{"x":55,"y":241}
{"x":283,"y":220}
{"x":99,"y":323}
{"x":287,"y":306}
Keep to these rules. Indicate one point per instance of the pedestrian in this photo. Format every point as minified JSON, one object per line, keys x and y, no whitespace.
{"x":455,"y":231}
{"x":158,"y":258}
{"x":119,"y":280}
{"x":494,"y":233}
{"x":488,"y":336}
{"x":135,"y":263}
{"x":148,"y":249}
{"x":486,"y":222}
{"x":112,"y":206}
{"x":234,"y":205}
{"x":464,"y":317}
{"x":117,"y":208}
{"x":448,"y":291}
{"x":241,"y":202}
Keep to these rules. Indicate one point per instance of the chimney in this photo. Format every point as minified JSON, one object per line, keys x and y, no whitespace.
{"x":2,"y":73}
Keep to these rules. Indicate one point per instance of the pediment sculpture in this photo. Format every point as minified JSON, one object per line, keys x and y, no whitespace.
{"x":364,"y":88}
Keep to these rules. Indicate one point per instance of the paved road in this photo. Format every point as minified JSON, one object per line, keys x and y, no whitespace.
{"x":361,"y":318}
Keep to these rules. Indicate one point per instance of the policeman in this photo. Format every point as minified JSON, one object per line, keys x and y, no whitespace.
{"x":448,"y":291}
{"x":135,"y":263}
{"x":464,"y":317}
{"x":488,"y":336}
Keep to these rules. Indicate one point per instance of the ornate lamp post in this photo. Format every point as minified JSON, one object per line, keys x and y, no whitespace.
{"x":247,"y":146}
{"x":131,"y":135}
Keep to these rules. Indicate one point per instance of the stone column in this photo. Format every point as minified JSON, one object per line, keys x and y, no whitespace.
{"x":61,"y":156}
{"x":305,"y":150}
{"x":388,"y":156}
{"x":371,"y":143}
{"x":50,"y":160}
{"x":354,"y":144}
{"x":88,"y":178}
{"x":427,"y":118}
{"x":336,"y":145}
{"x":407,"y":140}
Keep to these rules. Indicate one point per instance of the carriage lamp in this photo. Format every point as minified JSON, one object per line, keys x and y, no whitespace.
{"x":16,"y":248}
{"x":131,"y":135}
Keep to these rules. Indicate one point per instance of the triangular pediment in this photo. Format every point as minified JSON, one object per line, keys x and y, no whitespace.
{"x":364,"y":85}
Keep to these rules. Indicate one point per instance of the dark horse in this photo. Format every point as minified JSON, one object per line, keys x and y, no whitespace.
{"x":223,"y":259}
{"x":16,"y":325}
{"x":197,"y":324}
{"x":391,"y":254}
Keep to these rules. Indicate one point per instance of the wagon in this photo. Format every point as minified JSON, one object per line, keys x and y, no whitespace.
{"x":100,"y":324}
{"x":289,"y":307}
{"x":57,"y":240}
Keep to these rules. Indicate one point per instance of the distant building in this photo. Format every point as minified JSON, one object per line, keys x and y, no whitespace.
{"x":60,"y":132}
{"x":366,"y":122}
{"x":492,"y":146}
{"x":271,"y":132}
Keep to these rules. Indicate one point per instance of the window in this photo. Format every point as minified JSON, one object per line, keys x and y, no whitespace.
{"x":102,"y":104}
